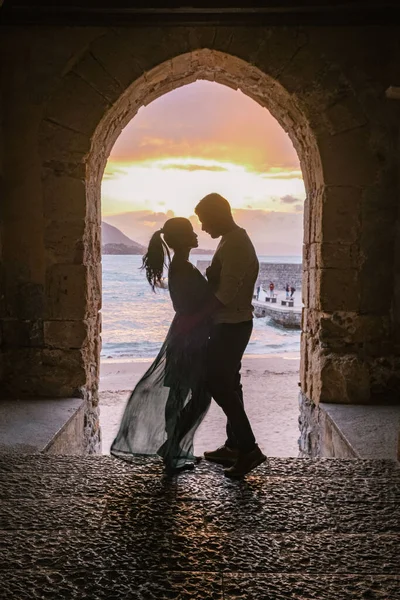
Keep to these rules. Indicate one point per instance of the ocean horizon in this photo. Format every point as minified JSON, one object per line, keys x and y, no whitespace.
{"x":135,"y":320}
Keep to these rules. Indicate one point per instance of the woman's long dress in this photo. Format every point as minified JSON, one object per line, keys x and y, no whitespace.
{"x":170,"y":401}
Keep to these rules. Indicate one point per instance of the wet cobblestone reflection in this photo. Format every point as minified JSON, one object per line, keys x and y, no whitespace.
{"x":93,"y":527}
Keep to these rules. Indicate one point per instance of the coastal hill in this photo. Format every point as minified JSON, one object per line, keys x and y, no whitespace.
{"x":113,"y":241}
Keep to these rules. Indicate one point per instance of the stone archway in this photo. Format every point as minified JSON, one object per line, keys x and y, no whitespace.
{"x":313,"y":102}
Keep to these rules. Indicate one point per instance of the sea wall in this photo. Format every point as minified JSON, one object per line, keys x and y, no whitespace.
{"x":279,"y":273}
{"x":290,"y":318}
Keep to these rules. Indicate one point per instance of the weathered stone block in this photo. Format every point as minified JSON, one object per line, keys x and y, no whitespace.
{"x":73,"y":291}
{"x":338,"y":289}
{"x":336,"y":256}
{"x":340,"y":219}
{"x":313,"y":288}
{"x":66,"y":366}
{"x":310,"y":432}
{"x":306,"y":221}
{"x":380,"y":201}
{"x":24,"y":258}
{"x":64,"y":241}
{"x":305,"y":288}
{"x":385,"y":378}
{"x":61,"y":147}
{"x":377,"y":244}
{"x":344,"y":380}
{"x":311,"y":321}
{"x":77,"y":105}
{"x":314,"y":382}
{"x":347,"y":159}
{"x":352,"y":328}
{"x":40,"y":61}
{"x":70,"y":334}
{"x":64,"y":197}
{"x":25,"y":299}
{"x":314,"y":217}
{"x":22,"y":333}
{"x":94,"y":73}
{"x":303,"y":361}
{"x":200,"y":37}
{"x":107,"y":51}
{"x":345,"y":114}
{"x":17,"y":189}
{"x":277,"y":51}
{"x":31,"y":372}
{"x":92,"y":244}
{"x":376,"y":286}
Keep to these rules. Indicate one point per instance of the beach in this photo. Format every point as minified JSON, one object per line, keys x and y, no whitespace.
{"x":270,"y":386}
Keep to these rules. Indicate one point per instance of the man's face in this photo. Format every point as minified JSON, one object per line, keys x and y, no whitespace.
{"x":209,"y":225}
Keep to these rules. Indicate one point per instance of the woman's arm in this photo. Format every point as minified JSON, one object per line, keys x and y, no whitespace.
{"x":194,"y":299}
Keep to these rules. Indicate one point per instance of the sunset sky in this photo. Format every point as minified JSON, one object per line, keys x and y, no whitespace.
{"x":202,"y":138}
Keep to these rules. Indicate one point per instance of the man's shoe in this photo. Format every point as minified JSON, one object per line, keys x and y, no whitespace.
{"x":223,"y":455}
{"x":246,"y":463}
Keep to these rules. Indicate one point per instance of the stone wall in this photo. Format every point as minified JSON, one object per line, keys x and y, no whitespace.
{"x":279,"y":273}
{"x":396,"y":299}
{"x":68,"y":92}
{"x":348,"y":431}
{"x":2,"y":295}
{"x":318,"y":435}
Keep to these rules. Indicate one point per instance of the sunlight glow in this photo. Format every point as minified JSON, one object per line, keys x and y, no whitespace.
{"x":201,"y":138}
{"x":177,"y":184}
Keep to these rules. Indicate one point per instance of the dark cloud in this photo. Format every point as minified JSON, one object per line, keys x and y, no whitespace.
{"x":113,"y":172}
{"x":289,"y":199}
{"x":282,"y":173}
{"x":183,"y":167}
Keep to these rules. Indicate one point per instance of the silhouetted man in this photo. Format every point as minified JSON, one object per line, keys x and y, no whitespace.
{"x":232,"y":273}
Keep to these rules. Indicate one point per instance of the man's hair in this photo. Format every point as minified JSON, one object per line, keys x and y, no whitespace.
{"x":213,"y":204}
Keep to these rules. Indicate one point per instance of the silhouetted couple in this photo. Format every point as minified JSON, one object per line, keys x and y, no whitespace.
{"x":202,"y":353}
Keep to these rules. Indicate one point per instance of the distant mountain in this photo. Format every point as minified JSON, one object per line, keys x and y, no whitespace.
{"x":113,"y":241}
{"x":119,"y":249}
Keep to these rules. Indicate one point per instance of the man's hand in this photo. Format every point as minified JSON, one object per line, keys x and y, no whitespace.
{"x":213,"y":274}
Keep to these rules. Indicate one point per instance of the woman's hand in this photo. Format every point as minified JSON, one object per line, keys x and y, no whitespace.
{"x":185,"y":323}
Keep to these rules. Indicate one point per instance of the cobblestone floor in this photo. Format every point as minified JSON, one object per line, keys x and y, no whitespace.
{"x":94,"y":527}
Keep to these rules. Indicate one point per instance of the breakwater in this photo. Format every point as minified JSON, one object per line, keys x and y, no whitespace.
{"x":279,"y":273}
{"x":286,"y":317}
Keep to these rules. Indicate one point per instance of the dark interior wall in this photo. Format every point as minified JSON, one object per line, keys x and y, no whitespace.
{"x":394,"y":106}
{"x":1,"y":246}
{"x":396,"y":303}
{"x":34,"y":67}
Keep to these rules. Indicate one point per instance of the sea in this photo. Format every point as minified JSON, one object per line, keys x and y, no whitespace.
{"x":135,"y":320}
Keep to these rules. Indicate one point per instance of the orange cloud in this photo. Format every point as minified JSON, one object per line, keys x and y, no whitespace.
{"x":207,"y":120}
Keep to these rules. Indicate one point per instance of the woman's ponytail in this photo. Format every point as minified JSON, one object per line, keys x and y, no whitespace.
{"x":155,"y":259}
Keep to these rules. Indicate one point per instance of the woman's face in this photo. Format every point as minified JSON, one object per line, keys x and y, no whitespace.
{"x":195,"y":240}
{"x":188,"y":239}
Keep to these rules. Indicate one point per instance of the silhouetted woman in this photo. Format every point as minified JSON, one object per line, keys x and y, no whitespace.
{"x":170,"y":401}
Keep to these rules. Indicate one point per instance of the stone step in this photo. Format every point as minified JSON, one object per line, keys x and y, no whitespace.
{"x":96,"y":527}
